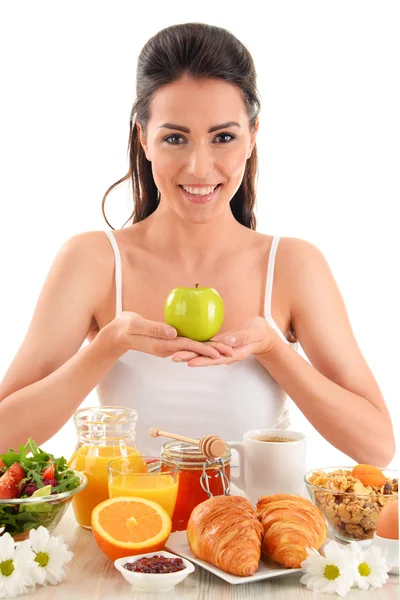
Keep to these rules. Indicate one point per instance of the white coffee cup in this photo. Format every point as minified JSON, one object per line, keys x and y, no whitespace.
{"x":269,"y":467}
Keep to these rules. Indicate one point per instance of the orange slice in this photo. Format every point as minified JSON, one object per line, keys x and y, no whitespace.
{"x":127,"y":525}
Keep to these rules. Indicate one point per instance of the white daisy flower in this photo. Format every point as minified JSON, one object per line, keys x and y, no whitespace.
{"x":16,"y":566}
{"x":372,"y":569}
{"x":329,"y":574}
{"x":51,"y":556}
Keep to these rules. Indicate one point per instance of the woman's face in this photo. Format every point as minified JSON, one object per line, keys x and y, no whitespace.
{"x":198,"y":140}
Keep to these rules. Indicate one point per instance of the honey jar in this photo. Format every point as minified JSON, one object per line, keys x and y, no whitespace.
{"x":199,"y":478}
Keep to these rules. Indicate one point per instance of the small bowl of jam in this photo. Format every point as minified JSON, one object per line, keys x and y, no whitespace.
{"x":155,"y":571}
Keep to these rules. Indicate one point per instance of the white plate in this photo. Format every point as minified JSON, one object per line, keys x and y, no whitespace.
{"x":177,"y":543}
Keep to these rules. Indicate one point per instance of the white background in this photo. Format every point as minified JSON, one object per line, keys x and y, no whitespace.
{"x":328,"y":75}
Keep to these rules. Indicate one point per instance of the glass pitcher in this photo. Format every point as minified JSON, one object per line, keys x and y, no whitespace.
{"x":104,"y":433}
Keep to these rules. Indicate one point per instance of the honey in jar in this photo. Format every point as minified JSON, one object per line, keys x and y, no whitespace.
{"x":190,"y":491}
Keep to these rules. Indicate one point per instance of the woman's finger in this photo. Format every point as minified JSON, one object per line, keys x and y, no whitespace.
{"x":229,"y":338}
{"x":221,"y":336}
{"x":203,"y":361}
{"x":243,"y":337}
{"x":222,"y":348}
{"x":138,"y":325}
{"x":197,"y":347}
{"x":183,"y":356}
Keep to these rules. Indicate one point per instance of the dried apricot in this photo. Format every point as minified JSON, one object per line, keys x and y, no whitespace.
{"x":369,"y":475}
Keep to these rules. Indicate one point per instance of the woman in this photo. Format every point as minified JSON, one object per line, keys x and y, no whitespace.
{"x":193,"y":164}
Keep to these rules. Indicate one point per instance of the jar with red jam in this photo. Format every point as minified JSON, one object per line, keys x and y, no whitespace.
{"x":197,"y":475}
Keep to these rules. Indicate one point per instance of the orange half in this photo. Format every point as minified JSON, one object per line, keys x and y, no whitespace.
{"x":127,"y":525}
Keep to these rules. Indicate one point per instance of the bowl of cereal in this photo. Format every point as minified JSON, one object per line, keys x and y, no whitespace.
{"x":351,"y":498}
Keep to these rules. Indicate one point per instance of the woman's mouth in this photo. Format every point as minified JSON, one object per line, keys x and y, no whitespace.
{"x":200,"y":195}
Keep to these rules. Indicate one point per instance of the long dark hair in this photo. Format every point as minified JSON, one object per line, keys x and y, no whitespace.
{"x":199,"y":51}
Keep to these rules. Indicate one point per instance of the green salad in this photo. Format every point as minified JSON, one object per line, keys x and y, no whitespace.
{"x":32,"y":473}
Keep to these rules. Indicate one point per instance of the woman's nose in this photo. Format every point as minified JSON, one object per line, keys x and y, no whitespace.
{"x":200,"y":162}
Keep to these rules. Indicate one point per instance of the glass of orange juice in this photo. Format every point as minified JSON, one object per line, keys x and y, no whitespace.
{"x":124,"y":479}
{"x":104,"y":433}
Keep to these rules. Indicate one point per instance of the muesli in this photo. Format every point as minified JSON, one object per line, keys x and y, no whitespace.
{"x":350,"y":507}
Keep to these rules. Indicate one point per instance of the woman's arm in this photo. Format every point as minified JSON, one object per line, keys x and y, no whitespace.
{"x":337,"y":392}
{"x":49,"y":377}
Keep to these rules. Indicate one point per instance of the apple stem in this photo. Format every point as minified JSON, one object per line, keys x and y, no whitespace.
{"x":197,"y":285}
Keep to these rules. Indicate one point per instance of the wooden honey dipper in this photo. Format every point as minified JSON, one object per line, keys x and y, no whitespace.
{"x":210,"y":445}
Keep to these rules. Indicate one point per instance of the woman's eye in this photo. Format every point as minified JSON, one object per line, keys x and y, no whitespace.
{"x":171,"y":137}
{"x":176,"y":140}
{"x":230,"y":137}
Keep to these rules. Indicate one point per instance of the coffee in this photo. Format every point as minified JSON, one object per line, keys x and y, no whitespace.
{"x":275,"y":467}
{"x":263,"y":438}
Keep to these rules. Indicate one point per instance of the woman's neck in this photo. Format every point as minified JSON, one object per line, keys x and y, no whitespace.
{"x":192,"y":245}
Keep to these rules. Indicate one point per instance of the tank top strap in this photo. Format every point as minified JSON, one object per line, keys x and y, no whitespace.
{"x":270,"y":277}
{"x":118,"y":271}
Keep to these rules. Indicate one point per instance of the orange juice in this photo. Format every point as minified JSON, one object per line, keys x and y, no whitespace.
{"x":93,"y":460}
{"x":161,"y":488}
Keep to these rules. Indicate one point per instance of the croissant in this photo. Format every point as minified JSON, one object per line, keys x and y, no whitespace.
{"x":291,"y":524}
{"x":225,"y":532}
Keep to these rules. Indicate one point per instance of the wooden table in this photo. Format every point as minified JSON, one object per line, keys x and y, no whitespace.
{"x":92,"y":576}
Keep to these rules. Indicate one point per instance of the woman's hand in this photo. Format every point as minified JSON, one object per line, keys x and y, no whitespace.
{"x":256,"y":336}
{"x":130,"y":331}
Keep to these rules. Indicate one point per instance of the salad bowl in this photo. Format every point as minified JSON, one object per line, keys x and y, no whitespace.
{"x":19,"y":515}
{"x":35,"y":489}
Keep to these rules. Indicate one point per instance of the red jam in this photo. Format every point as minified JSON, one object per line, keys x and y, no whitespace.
{"x":155,"y":564}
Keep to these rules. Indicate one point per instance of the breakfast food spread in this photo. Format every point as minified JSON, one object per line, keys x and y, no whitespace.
{"x":352,"y":500}
{"x":225,"y":532}
{"x":291,"y":524}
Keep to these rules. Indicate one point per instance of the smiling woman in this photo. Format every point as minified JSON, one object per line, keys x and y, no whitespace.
{"x":193,"y":166}
{"x":207,"y":163}
{"x":205,"y":84}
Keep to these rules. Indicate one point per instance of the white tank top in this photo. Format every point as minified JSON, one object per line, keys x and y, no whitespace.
{"x":226,"y":400}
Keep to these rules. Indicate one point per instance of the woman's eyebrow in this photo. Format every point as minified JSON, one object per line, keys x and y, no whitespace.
{"x":186,"y":130}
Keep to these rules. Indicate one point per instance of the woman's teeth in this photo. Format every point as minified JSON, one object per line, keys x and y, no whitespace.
{"x":203,"y":191}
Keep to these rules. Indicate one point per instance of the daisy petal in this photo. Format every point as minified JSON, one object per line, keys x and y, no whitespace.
{"x":6,"y":547}
{"x":39,"y":539}
{"x":333,"y":552}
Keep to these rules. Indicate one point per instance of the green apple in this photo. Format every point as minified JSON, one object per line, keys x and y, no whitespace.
{"x":196,"y":313}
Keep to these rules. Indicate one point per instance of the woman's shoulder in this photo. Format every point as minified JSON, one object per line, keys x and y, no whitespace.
{"x":297,"y":248}
{"x":296,"y":259}
{"x":88,"y":251}
{"x":299,"y":265}
{"x":95,"y":248}
{"x":86,"y":243}
{"x":289,"y":249}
